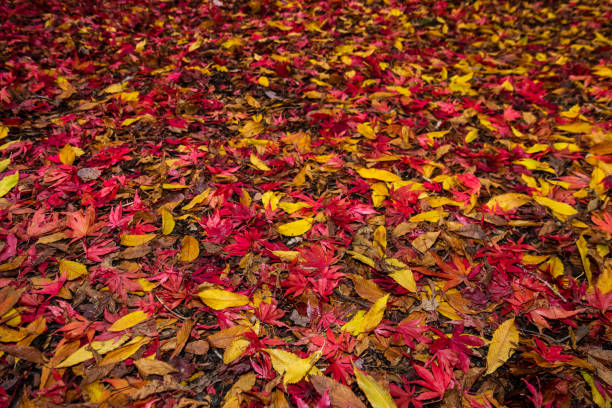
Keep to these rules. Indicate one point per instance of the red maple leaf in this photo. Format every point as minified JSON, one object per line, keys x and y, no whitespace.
{"x":605,"y":223}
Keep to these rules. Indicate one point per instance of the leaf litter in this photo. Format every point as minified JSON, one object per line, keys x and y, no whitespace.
{"x":305,"y":203}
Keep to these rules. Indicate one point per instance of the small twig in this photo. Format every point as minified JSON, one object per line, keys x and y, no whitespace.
{"x":349,"y":299}
{"x":168,"y":309}
{"x":561,"y":340}
{"x":548,"y":285}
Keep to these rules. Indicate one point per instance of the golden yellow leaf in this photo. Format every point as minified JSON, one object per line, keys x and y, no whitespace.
{"x":84,"y":353}
{"x":219,"y":299}
{"x":4,"y":164}
{"x":173,"y":186}
{"x":235,"y":350}
{"x":438,"y":134}
{"x":114,"y":88}
{"x":295,"y":228}
{"x":374,"y":316}
{"x":602,"y":401}
{"x":257,"y":162}
{"x":378,"y":396}
{"x":197,"y":200}
{"x":362,"y":258}
{"x":604,"y":282}
{"x":366,"y":131}
{"x":583,"y":250}
{"x":269,"y":198}
{"x":136,"y":240}
{"x":286,"y":256}
{"x":405,"y":278}
{"x":124,"y":352}
{"x":378,"y":174}
{"x":534,"y":165}
{"x":504,"y":341}
{"x":251,"y":129}
{"x":471,"y":136}
{"x":67,"y":154}
{"x":96,"y":392}
{"x":555,"y":206}
{"x":290,"y":208}
{"x":379,"y":193}
{"x":263,"y":81}
{"x":508,"y":201}
{"x":190,"y":249}
{"x":364,"y":322}
{"x":576,"y":127}
{"x":129,"y":121}
{"x":11,"y":336}
{"x":3,"y":132}
{"x":72,"y":269}
{"x":429,"y":216}
{"x":167,"y":222}
{"x":292,"y":367}
{"x":129,"y":320}
{"x":8,"y":182}
{"x":380,"y":236}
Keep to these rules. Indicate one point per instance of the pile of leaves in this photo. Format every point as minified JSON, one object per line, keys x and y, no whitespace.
{"x":300,"y":203}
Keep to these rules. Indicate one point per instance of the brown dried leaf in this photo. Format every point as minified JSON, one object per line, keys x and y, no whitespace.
{"x":147,"y":366}
{"x":182,"y":336}
{"x":339,"y":394}
{"x":27,"y":353}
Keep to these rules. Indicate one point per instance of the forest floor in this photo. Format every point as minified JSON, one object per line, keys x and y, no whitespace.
{"x":305,"y":203}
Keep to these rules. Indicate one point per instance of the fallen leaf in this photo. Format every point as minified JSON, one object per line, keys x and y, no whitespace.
{"x":340,"y":395}
{"x":505,"y":340}
{"x":128,"y":321}
{"x":136,"y":240}
{"x":72,"y":269}
{"x":67,"y":155}
{"x":147,"y":366}
{"x":296,"y":228}
{"x":26,"y":353}
{"x":167,"y":222}
{"x":378,"y":174}
{"x":124,"y":352}
{"x":292,"y":367}
{"x":8,"y":182}
{"x":219,"y":299}
{"x":257,"y":162}
{"x":190,"y":249}
{"x":378,"y":396}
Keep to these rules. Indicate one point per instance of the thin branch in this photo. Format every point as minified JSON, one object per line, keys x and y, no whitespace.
{"x":168,"y":309}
